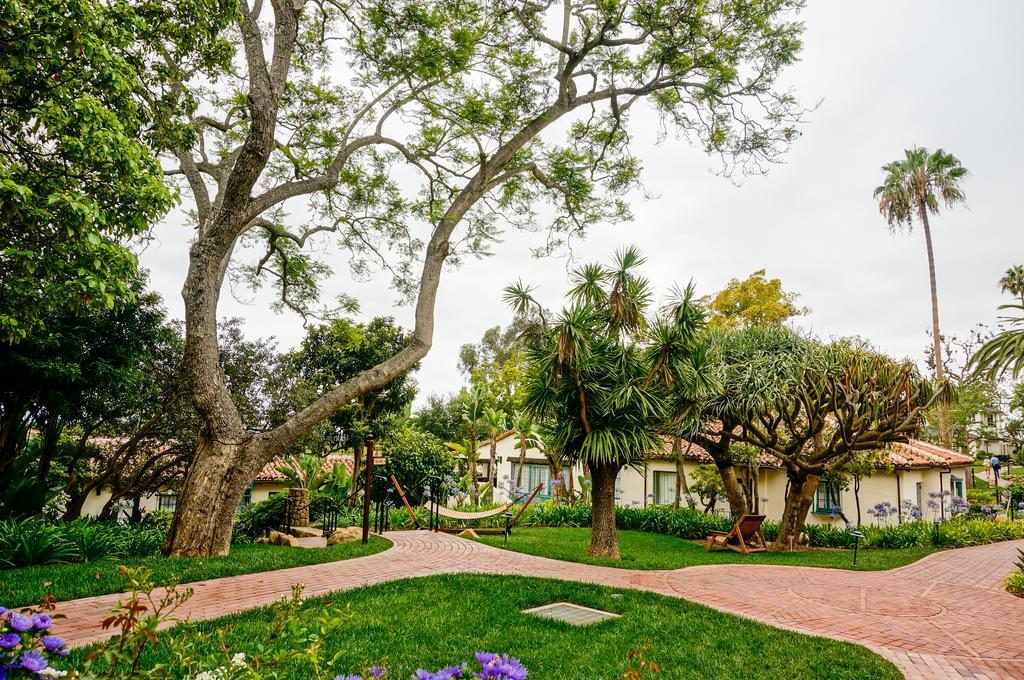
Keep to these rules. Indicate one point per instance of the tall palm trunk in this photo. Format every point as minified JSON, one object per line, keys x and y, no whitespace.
{"x":474,"y":488}
{"x":936,"y":340}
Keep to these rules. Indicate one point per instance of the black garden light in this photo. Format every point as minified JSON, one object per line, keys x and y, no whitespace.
{"x":507,"y":516}
{"x":856,"y":543}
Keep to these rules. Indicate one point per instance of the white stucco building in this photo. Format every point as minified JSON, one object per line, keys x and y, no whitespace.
{"x":909,"y":472}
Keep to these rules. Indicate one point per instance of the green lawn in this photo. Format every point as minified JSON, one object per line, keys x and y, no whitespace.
{"x":442,"y":620}
{"x":28,"y":585}
{"x":642,"y":550}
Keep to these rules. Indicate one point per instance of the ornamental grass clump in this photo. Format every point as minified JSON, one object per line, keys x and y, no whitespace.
{"x":27,"y":646}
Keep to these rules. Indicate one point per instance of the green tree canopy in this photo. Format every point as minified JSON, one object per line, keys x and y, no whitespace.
{"x":755,"y":301}
{"x":334,"y":352}
{"x":77,"y":177}
{"x":409,"y":134}
{"x":813,"y":406}
{"x":442,"y":417}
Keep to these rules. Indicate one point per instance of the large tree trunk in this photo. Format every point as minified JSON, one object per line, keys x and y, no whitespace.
{"x":936,"y":339}
{"x":211,"y":494}
{"x":603,"y":541}
{"x":682,"y":487}
{"x":799,"y":497}
{"x":733,"y":491}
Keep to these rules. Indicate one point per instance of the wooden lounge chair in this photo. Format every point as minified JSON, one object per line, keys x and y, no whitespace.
{"x":744,"y":537}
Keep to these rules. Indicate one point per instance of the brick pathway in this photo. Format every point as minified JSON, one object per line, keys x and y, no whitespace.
{"x":946,"y":616}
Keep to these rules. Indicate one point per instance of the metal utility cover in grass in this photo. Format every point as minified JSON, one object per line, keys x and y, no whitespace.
{"x":571,"y":613}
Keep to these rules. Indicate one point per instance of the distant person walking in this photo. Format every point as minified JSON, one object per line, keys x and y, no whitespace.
{"x":988,"y":470}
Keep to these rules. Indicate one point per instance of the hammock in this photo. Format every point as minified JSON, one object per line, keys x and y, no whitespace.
{"x":466,"y":516}
{"x":458,"y":516}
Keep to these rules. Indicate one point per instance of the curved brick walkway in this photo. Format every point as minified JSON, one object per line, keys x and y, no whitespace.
{"x":946,"y":616}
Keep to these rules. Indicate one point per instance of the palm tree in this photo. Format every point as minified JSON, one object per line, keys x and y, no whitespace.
{"x":305,"y":472}
{"x":1012,"y":282}
{"x":915,"y":187}
{"x":1004,"y":352}
{"x":495,"y":421}
{"x":599,"y":377}
{"x":526,"y":436}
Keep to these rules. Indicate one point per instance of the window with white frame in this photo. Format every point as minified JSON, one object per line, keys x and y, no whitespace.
{"x":166,"y":501}
{"x":664,"y":487}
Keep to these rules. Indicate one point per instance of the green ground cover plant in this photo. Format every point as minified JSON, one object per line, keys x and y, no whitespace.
{"x":642,"y":550}
{"x":442,"y":620}
{"x":29,"y":585}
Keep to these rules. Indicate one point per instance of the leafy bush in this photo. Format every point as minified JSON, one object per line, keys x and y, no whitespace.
{"x":258,"y":519}
{"x":1015,"y":584}
{"x":33,"y":541}
{"x":693,"y":524}
{"x":29,"y":541}
{"x":415,"y":456}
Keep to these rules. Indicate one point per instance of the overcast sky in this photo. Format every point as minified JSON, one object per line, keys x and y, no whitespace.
{"x":889,"y":75}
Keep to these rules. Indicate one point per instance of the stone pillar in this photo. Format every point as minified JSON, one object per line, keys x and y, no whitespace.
{"x":299,"y":507}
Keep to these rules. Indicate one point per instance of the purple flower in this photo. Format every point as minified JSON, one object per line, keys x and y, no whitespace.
{"x":33,"y":662}
{"x":52,"y":643}
{"x":377,"y":671}
{"x":3,"y":610}
{"x":20,"y":622}
{"x":502,"y":667}
{"x":443,"y":674}
{"x":9,"y":640}
{"x":41,"y":621}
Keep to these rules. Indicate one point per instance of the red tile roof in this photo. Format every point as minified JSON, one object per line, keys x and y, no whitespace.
{"x":698,"y":454}
{"x":270,"y":473}
{"x":915,"y":454}
{"x":918,"y":454}
{"x":487,"y":442}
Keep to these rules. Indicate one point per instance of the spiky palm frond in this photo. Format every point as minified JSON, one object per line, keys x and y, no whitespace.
{"x":921,"y":178}
{"x":1003,"y":353}
{"x":589,"y":280}
{"x":520,"y":298}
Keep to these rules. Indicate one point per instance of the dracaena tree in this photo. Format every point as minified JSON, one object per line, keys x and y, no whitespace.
{"x":816,"y":406}
{"x":601,"y":377}
{"x":407,"y":133}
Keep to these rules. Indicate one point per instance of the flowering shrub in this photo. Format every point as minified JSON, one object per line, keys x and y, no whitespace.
{"x":958,"y":506}
{"x":883,"y":510}
{"x":27,"y":646}
{"x":492,"y":667}
{"x":911,"y":509}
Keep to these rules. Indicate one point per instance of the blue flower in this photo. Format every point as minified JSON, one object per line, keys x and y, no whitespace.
{"x":20,"y":622}
{"x":52,"y":643}
{"x":41,"y":621}
{"x":33,"y":662}
{"x":9,"y":640}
